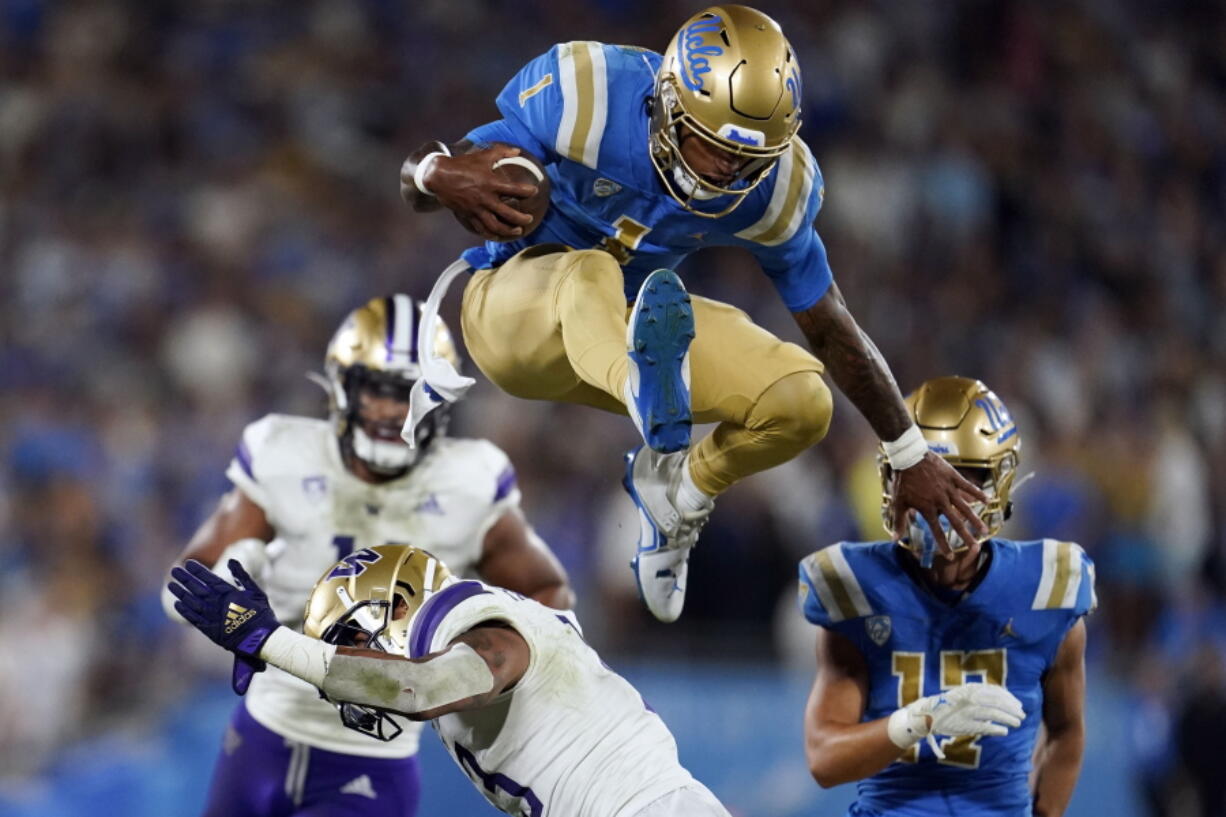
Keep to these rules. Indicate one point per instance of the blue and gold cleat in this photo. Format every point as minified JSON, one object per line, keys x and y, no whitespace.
{"x":658,"y":341}
{"x":666,"y":533}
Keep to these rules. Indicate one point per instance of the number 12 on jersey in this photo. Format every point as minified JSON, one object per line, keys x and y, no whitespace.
{"x":956,"y":666}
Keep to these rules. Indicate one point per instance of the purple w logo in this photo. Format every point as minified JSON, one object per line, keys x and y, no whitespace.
{"x":354,"y":564}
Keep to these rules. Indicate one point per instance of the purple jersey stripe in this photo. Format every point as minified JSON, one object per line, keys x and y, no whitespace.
{"x":243,"y":455}
{"x":435,"y":610}
{"x":414,"y":317}
{"x":506,"y":481}
{"x":389,"y":305}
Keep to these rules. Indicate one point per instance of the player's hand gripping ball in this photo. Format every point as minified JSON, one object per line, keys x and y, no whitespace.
{"x":521,"y":169}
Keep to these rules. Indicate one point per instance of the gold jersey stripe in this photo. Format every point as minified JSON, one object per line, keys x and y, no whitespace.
{"x":541,"y":84}
{"x":583,"y":78}
{"x":830,"y":575}
{"x":1064,"y":556}
{"x":789,"y":200}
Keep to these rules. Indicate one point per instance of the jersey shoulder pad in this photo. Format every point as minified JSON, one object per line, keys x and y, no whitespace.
{"x":1058,"y":576}
{"x":787,"y":201}
{"x":832,"y":587}
{"x":275,"y":442}
{"x":485,"y":468}
{"x":453,"y":610}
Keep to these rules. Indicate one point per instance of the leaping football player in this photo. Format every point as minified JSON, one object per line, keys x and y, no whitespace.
{"x":936,"y":670}
{"x":649,"y":158}
{"x":538,"y":723}
{"x":308,"y":491}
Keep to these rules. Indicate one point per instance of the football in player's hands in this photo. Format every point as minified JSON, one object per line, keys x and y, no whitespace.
{"x":521,"y":169}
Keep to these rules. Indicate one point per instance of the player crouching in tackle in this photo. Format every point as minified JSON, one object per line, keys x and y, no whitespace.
{"x":979,"y":647}
{"x":650,"y":157}
{"x":527,"y":709}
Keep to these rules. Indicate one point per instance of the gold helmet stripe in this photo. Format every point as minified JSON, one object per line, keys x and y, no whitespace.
{"x":1061,"y":578}
{"x":585,"y":101}
{"x":789,"y":200}
{"x":837,"y":585}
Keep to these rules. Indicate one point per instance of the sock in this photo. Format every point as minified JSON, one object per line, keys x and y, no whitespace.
{"x":689,"y":496}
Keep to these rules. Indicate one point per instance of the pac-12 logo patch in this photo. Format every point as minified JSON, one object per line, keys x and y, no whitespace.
{"x":878,"y":629}
{"x":315,"y":487}
{"x":603,"y":187}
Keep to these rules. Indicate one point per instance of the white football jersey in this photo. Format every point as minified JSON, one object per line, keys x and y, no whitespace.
{"x":572,"y":738}
{"x":291,"y":467}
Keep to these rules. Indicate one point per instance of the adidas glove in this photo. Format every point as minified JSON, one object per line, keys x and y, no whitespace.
{"x":238,"y":619}
{"x":969,"y":709}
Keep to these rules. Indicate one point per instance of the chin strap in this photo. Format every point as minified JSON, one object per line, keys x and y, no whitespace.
{"x":439,"y":382}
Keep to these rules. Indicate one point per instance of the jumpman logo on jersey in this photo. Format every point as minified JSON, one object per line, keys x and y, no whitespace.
{"x":1007,"y":630}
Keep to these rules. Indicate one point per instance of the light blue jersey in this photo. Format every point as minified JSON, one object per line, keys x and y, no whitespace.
{"x":583,"y":108}
{"x":1006,"y":631}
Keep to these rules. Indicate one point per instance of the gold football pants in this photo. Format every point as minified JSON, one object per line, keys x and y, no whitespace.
{"x":550,"y":324}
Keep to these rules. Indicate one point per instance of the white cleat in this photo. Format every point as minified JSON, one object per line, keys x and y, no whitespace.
{"x":666,"y":533}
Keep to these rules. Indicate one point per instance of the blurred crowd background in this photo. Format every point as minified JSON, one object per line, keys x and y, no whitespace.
{"x":192,"y":195}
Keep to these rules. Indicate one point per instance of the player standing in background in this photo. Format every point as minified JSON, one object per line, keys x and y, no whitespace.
{"x":980,"y":646}
{"x":307,"y":491}
{"x":541,"y":726}
{"x":650,"y":158}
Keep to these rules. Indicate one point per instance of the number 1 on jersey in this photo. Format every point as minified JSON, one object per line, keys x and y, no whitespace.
{"x":627,"y":238}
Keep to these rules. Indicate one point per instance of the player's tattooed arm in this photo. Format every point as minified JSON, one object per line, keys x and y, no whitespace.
{"x":931,"y":486}
{"x":515,"y":557}
{"x":854,"y":363}
{"x":1058,"y":760}
{"x":838,"y":746}
{"x":464,"y":181}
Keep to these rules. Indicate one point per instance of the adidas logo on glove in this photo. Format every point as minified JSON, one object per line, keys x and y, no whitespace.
{"x":236,"y":616}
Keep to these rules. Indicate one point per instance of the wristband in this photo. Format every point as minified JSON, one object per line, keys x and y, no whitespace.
{"x":907,"y":450}
{"x":299,"y":655}
{"x":419,"y":175}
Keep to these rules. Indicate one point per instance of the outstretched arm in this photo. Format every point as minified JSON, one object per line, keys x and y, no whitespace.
{"x":928,"y":485}
{"x":515,"y":557}
{"x":478,"y":666}
{"x":1059,"y":757}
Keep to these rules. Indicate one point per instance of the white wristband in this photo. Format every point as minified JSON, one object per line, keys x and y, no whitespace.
{"x":419,"y":175}
{"x":907,"y":450}
{"x":299,"y":655}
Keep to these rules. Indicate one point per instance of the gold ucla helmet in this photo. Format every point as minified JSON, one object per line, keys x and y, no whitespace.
{"x":375,"y":349}
{"x":729,"y":76}
{"x":965,"y":423}
{"x":369,"y":599}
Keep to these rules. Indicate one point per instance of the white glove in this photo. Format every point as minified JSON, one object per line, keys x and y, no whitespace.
{"x":251,"y":554}
{"x":969,"y":709}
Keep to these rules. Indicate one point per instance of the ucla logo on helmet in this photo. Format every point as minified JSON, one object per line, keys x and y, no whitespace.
{"x":693,"y":51}
{"x":943,"y":449}
{"x":878,"y":629}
